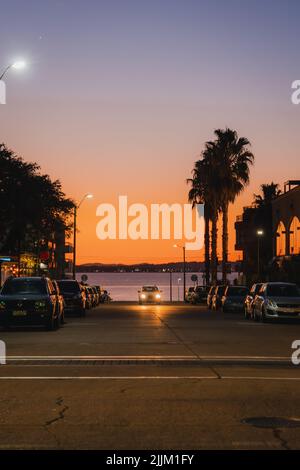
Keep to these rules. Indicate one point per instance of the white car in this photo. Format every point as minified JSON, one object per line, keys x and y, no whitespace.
{"x":277,"y":300}
{"x":149,"y":294}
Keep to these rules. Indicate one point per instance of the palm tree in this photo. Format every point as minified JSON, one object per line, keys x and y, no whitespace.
{"x":198,"y":195}
{"x":269,"y":192}
{"x":233,"y":168}
{"x":205,"y":191}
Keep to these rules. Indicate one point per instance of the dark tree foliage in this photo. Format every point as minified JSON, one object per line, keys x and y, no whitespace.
{"x":32,"y":207}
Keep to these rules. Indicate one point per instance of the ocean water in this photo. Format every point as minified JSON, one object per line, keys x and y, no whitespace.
{"x":125,"y":286}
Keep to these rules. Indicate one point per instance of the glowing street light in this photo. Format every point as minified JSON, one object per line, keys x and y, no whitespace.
{"x":259,"y":233}
{"x":76,"y":207}
{"x":18,"y":65}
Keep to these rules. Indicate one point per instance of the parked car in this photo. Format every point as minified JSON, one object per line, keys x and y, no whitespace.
{"x":233,"y":299}
{"x":149,"y":294}
{"x":210,"y":295}
{"x":189,"y":293}
{"x":61,"y":302}
{"x":95,"y":296}
{"x":248,"y":307}
{"x":105,"y":297}
{"x":74,"y":296}
{"x":277,"y":300}
{"x":89,"y":297}
{"x":97,"y":293}
{"x":216,"y":302}
{"x":29,"y":301}
{"x":199,"y":295}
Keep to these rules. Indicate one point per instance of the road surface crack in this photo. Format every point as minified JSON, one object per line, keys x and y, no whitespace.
{"x":277,"y":434}
{"x":61,"y":412}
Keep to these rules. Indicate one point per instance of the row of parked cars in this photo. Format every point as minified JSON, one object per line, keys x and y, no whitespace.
{"x":264,"y":301}
{"x":42,"y":301}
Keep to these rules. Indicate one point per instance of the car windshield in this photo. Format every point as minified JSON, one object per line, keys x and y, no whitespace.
{"x":69,"y":287}
{"x":200,"y":289}
{"x":237,"y":291}
{"x":149,"y":288}
{"x":24,"y":287}
{"x":283,"y":290}
{"x":221,"y":290}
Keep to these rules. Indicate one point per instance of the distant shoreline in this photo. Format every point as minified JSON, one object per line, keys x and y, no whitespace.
{"x":149,"y":267}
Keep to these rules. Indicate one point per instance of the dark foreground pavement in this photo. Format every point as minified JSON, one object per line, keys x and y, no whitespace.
{"x":150,"y":377}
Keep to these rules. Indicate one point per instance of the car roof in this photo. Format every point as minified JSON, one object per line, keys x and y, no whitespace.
{"x":28,"y":278}
{"x":280,"y":284}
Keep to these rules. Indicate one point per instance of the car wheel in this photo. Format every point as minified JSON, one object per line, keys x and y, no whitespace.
{"x":263,"y":317}
{"x":50,"y":325}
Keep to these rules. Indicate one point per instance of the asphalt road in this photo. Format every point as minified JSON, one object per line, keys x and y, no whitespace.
{"x":151,"y":377}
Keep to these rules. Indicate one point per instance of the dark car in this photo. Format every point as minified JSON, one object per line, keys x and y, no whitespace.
{"x":234,"y":297}
{"x":61,"y":302}
{"x":216,"y":302}
{"x":74,"y":296}
{"x":89,"y":297}
{"x":199,"y":295}
{"x":210,"y":295}
{"x":29,"y":301}
{"x":248,"y":307}
{"x":97,"y":291}
{"x":188,"y":294}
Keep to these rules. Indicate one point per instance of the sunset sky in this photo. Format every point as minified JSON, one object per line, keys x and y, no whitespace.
{"x":120,"y":96}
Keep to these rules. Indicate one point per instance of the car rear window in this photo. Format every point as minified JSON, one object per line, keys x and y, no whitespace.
{"x":237,"y":291}
{"x":68,"y":287}
{"x":283,"y":290}
{"x":24,"y":287}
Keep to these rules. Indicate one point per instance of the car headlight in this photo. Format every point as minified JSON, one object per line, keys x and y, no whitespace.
{"x":40,"y":305}
{"x":143,"y":296}
{"x":271,"y":304}
{"x":157,"y":296}
{"x":2,"y":305}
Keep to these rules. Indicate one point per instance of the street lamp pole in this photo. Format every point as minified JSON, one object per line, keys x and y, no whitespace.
{"x":76,"y":207}
{"x":259,"y":234}
{"x":184,"y":268}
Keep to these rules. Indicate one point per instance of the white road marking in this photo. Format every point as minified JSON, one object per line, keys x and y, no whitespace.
{"x":198,"y":357}
{"x":189,"y":377}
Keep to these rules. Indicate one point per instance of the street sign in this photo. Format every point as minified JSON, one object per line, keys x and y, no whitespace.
{"x":84,"y":278}
{"x":194,"y":277}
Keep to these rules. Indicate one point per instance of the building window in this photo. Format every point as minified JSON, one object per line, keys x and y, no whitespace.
{"x":295,"y":236}
{"x":280,"y":240}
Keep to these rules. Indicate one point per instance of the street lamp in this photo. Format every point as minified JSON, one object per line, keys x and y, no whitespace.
{"x":76,"y":207}
{"x":178,"y":281}
{"x":19,"y":64}
{"x":259,"y":233}
{"x":184,"y":268}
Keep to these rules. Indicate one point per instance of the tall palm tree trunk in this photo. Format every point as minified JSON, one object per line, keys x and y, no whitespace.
{"x":224,"y":242}
{"x":206,"y":244}
{"x":214,"y":234}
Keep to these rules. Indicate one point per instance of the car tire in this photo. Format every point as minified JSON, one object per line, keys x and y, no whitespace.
{"x":50,"y":325}
{"x":263,"y":317}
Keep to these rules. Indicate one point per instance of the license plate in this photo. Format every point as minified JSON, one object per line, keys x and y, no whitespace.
{"x":19,"y":313}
